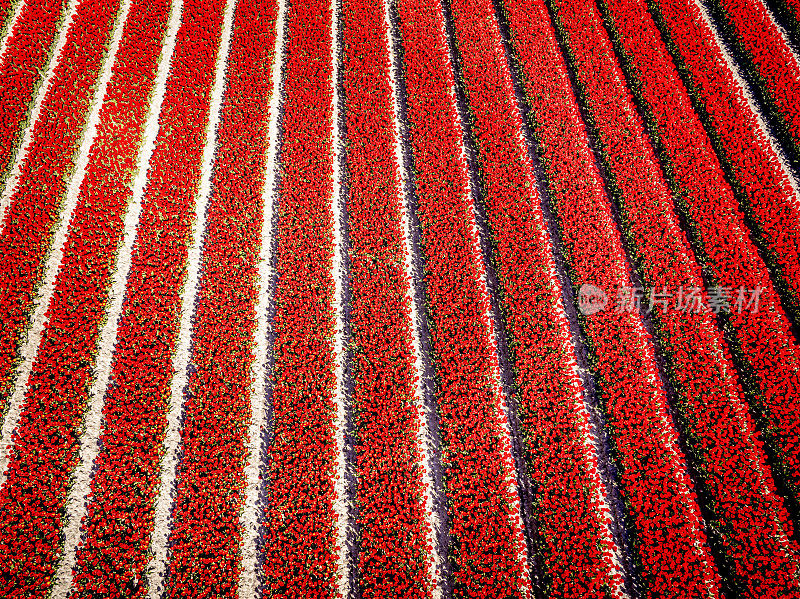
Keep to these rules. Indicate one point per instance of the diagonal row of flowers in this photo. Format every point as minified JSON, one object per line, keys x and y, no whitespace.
{"x":394,"y":554}
{"x":22,"y":66}
{"x":754,"y":168}
{"x":45,"y":441}
{"x":35,"y":203}
{"x":722,"y":237}
{"x":770,"y":58}
{"x":47,"y":436}
{"x":670,"y":545}
{"x":206,"y":533}
{"x":709,"y":397}
{"x":119,"y":520}
{"x":575,"y":546}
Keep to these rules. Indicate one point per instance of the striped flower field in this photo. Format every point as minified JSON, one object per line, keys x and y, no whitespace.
{"x":363,"y":299}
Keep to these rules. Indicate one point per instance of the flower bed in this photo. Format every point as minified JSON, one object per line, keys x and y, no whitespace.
{"x":22,"y":67}
{"x":769,"y":59}
{"x":487,"y":547}
{"x":300,"y":549}
{"x":211,"y":481}
{"x":755,"y":171}
{"x":707,"y":392}
{"x":392,"y":556}
{"x":722,"y":242}
{"x":560,"y":460}
{"x":36,"y":203}
{"x":62,"y":374}
{"x":119,"y":519}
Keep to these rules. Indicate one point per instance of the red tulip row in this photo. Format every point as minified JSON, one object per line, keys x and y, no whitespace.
{"x":393,"y":557}
{"x":21,"y":69}
{"x":300,"y":527}
{"x":708,"y":395}
{"x":756,"y":171}
{"x":206,"y":534}
{"x":668,"y":529}
{"x":791,"y":8}
{"x":119,"y":519}
{"x":36,"y":203}
{"x":764,"y":338}
{"x":787,"y":15}
{"x":575,"y":549}
{"x":47,"y":439}
{"x":6,"y":13}
{"x":773,"y":63}
{"x":487,"y":546}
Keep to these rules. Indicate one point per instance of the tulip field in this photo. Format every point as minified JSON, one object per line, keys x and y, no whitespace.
{"x":426,"y":299}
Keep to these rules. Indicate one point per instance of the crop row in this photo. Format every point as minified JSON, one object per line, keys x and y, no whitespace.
{"x":21,"y":68}
{"x":708,"y":397}
{"x":47,"y":437}
{"x":300,"y":524}
{"x":112,"y":557}
{"x":755,"y":169}
{"x":259,"y":427}
{"x":36,"y":203}
{"x":487,"y":546}
{"x":769,"y":58}
{"x":393,"y":556}
{"x":722,"y":239}
{"x":206,"y":535}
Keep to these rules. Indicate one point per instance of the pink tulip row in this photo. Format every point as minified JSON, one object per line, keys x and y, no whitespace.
{"x":22,"y":67}
{"x":393,"y":554}
{"x":764,"y":338}
{"x":112,"y":557}
{"x":575,"y":550}
{"x":757,"y":174}
{"x":709,"y":397}
{"x":47,"y":438}
{"x":773,"y":63}
{"x":487,"y":547}
{"x":33,"y":214}
{"x":300,"y":526}
{"x":206,"y":534}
